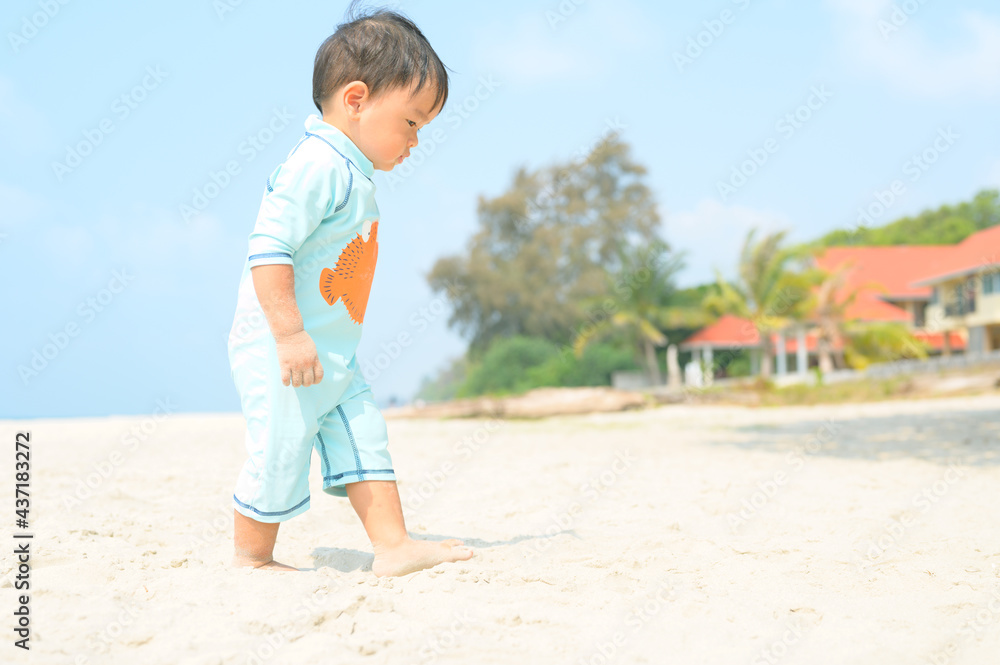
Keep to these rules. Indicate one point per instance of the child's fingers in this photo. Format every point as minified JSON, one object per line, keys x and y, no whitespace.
{"x":286,"y":373}
{"x":307,"y":377}
{"x":318,"y":371}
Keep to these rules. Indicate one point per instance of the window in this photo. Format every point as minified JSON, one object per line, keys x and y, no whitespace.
{"x":988,"y":283}
{"x":961,"y":298}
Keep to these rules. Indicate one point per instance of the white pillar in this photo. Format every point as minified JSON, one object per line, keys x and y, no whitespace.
{"x":766,"y":359}
{"x":673,"y":368}
{"x":780,"y":354}
{"x":692,"y":373}
{"x":706,"y":359}
{"x":802,"y":354}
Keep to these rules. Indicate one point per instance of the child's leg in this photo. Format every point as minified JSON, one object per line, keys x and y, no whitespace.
{"x":255,"y":543}
{"x":377,"y":504}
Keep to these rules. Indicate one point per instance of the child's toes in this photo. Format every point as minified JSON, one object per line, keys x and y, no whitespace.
{"x":452,"y":542}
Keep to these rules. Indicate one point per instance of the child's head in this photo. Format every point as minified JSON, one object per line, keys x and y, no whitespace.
{"x":378,"y":80}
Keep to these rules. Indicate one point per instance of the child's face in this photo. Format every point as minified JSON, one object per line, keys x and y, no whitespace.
{"x":387,"y":125}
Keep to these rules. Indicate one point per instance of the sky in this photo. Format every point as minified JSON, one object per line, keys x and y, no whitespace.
{"x":137,"y":138}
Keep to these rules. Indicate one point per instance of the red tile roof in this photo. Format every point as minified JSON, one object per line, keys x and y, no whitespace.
{"x":978,"y":251}
{"x":729,"y":331}
{"x":732,"y":332}
{"x":812,"y":342}
{"x":881,"y":273}
{"x":936,"y":339}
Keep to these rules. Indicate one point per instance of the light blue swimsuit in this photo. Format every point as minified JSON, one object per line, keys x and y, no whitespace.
{"x":318,"y":214}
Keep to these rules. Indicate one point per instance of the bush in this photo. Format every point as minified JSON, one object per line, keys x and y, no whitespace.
{"x":592,"y":368}
{"x":518,"y":364}
{"x":505,"y":364}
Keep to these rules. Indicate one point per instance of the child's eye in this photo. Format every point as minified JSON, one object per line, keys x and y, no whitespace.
{"x":412,"y":124}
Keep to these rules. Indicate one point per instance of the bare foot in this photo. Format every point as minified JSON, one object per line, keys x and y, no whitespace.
{"x":240,"y":562}
{"x":412,"y":555}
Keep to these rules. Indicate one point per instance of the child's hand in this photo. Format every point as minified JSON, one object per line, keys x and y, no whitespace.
{"x":298,"y":360}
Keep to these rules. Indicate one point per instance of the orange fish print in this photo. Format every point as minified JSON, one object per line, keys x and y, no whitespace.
{"x":351,"y":281}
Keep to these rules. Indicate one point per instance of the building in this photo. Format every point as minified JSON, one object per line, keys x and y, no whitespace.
{"x":893,"y":284}
{"x":966,"y":291}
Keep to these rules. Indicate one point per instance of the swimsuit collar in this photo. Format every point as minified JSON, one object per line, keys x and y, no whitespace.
{"x":341,"y":143}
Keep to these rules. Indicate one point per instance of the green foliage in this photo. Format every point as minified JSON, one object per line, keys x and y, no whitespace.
{"x":692,"y":297}
{"x":641,"y":307}
{"x":570,"y":256}
{"x":593,"y":368}
{"x":773,"y":287}
{"x":877,"y":341}
{"x":739,"y":365}
{"x":517,"y":364}
{"x":946,"y":225}
{"x":504,"y":366}
{"x":546,"y":245}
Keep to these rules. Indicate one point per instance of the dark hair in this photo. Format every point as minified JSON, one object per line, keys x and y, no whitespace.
{"x":383,"y":49}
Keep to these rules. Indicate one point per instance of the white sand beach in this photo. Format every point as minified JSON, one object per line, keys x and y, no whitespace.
{"x":861,"y":534}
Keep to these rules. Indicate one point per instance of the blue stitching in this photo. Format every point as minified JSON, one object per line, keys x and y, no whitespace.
{"x":357,"y":458}
{"x":267,"y":514}
{"x":350,"y":185}
{"x":269,"y":255}
{"x":348,"y":159}
{"x":322,"y":450}
{"x":347,"y":473}
{"x":301,"y":141}
{"x":350,"y":173}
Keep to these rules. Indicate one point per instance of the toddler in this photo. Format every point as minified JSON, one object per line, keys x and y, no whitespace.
{"x":309,"y":269}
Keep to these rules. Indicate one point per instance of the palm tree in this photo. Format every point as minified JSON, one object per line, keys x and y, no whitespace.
{"x":768,"y":292}
{"x":830,"y":315}
{"x":640,"y":306}
{"x":864,"y":342}
{"x":880,"y":341}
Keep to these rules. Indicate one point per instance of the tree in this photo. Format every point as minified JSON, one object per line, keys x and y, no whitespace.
{"x":947,"y":225}
{"x":768,"y":292}
{"x":880,"y":341}
{"x":505,"y":366}
{"x":642,"y":305}
{"x":830,"y":315}
{"x":863,"y":342}
{"x":545,"y":245}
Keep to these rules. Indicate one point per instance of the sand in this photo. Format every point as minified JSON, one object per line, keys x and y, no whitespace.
{"x":832,"y":534}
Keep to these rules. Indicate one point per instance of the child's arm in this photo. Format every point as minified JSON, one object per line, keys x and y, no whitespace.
{"x":300,"y":194}
{"x":275,"y":287}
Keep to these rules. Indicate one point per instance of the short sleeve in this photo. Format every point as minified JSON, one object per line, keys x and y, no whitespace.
{"x":300,"y":194}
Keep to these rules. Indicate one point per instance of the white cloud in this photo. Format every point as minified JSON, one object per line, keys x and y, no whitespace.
{"x":884,"y":39}
{"x":712,"y":235}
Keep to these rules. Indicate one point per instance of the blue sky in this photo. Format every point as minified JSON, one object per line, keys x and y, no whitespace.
{"x":115,"y":115}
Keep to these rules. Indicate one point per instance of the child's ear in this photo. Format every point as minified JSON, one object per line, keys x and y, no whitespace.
{"x":354,"y":94}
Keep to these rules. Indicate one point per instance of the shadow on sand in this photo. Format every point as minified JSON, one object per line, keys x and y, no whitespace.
{"x":348,"y":560}
{"x":969,"y":437}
